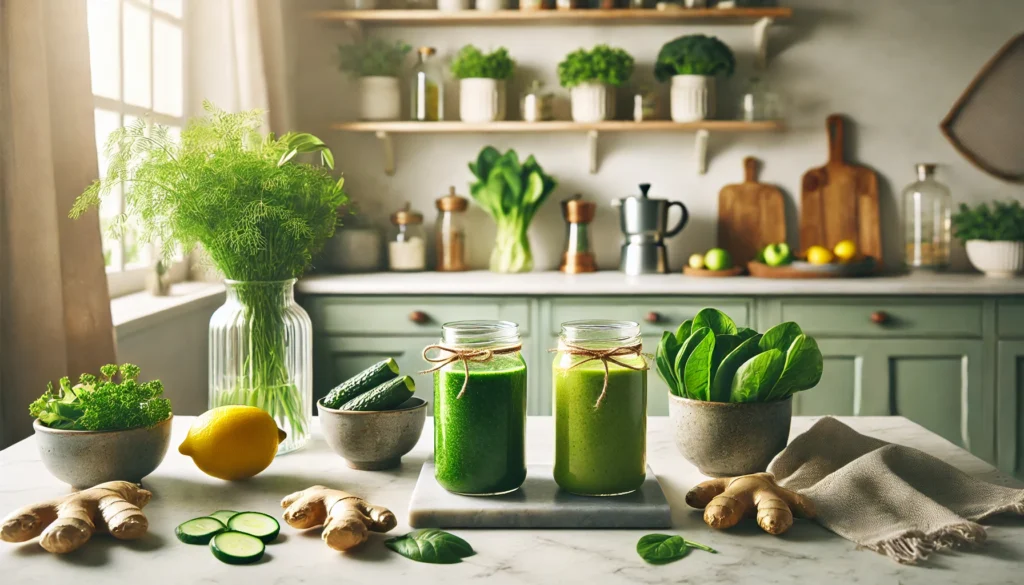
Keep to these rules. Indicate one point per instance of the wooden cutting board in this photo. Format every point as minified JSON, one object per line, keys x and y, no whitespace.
{"x":751,"y":215}
{"x":839,"y":201}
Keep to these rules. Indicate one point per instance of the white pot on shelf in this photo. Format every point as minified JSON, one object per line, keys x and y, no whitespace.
{"x":693,"y":98}
{"x":592,"y":102}
{"x":452,"y":5}
{"x":481,"y":100}
{"x":1003,"y":259}
{"x":490,"y":5}
{"x":380,"y":98}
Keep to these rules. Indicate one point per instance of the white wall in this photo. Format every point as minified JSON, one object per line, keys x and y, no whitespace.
{"x":893,"y":66}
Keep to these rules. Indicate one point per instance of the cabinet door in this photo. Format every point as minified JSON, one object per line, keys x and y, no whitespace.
{"x":1010,"y":399}
{"x":339,"y":358}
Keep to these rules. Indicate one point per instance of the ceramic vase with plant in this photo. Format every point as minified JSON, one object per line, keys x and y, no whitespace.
{"x":510,"y":192}
{"x":482,"y":80}
{"x":109,"y":427}
{"x":591,"y":77}
{"x":691,"y":63}
{"x":993,"y":236}
{"x":377,"y":66}
{"x":260,"y":216}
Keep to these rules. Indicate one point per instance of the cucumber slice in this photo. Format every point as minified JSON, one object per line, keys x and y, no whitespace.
{"x":257,"y":524}
{"x":237,"y":548}
{"x":362,"y":383}
{"x":199,"y":530}
{"x":387,"y":396}
{"x":223,"y":516}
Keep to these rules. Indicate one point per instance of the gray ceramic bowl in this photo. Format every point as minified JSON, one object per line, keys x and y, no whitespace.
{"x":373,"y":440}
{"x":725,"y":439}
{"x":86,"y":458}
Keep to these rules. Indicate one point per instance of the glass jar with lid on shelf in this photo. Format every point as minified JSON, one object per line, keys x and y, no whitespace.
{"x":407,"y":247}
{"x":450,"y":231}
{"x":927,"y":216}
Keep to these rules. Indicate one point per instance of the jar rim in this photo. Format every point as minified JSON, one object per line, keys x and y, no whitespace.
{"x":481,"y":332}
{"x":600,"y":330}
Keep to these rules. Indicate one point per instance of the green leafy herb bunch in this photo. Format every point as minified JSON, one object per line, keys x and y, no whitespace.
{"x":1000,"y":222}
{"x":694,"y":55}
{"x":103,"y":403}
{"x":472,"y":63}
{"x":373,"y":58}
{"x":602,"y":64}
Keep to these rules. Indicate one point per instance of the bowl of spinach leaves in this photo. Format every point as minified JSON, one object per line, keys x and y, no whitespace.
{"x":104,"y":428}
{"x":731,"y":389}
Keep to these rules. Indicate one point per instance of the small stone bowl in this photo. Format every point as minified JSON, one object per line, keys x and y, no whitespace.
{"x":373,"y":440}
{"x":87,"y":458}
{"x":725,"y":439}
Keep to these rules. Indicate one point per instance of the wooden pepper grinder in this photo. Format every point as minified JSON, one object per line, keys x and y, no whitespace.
{"x":578,"y":214}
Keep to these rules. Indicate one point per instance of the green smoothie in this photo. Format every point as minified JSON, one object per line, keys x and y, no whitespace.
{"x":600,"y":451}
{"x":479,"y":439}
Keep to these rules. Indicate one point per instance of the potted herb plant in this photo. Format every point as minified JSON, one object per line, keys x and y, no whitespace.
{"x":591,"y":77}
{"x":731,"y":388}
{"x":482,"y":79}
{"x":259,"y":216}
{"x":691,"y":62}
{"x":377,"y":65}
{"x":993,"y":237}
{"x":104,"y":428}
{"x":510,"y":192}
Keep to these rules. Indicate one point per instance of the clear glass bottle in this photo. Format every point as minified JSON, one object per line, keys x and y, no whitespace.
{"x":450,"y":233}
{"x":407,"y":246}
{"x":600,"y":443}
{"x":759,"y":102}
{"x":261,"y":354}
{"x":537,"y":104}
{"x":427,"y":88}
{"x":927,"y":213}
{"x":480,"y":422}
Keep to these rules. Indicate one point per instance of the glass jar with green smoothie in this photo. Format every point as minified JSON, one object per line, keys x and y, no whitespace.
{"x":600,"y":395}
{"x":479,"y":407}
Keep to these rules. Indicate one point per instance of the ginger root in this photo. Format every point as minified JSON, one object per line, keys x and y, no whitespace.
{"x":68,"y":522}
{"x":726,"y":500}
{"x":347,"y":519}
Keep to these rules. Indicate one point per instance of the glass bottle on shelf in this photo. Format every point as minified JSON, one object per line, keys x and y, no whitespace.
{"x":759,"y":102}
{"x":927,"y":212}
{"x":427,"y":88}
{"x":450,"y":244}
{"x":407,"y":247}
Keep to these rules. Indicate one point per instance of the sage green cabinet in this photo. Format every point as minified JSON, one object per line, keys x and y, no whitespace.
{"x":1010,"y":421}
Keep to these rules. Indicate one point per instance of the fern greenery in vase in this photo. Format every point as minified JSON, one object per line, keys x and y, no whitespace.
{"x":258,"y":215}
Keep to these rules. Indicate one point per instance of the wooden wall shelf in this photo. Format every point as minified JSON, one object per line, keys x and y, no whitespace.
{"x":385,"y":130}
{"x":553,"y":17}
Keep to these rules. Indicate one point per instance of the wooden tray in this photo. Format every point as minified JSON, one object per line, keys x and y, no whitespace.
{"x":801,"y":269}
{"x":704,"y":272}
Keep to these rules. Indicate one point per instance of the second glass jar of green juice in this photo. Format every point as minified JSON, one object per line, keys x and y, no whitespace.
{"x":600,"y":415}
{"x":480,"y":420}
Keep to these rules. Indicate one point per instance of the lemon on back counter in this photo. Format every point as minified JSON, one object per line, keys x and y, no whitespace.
{"x":232,"y":442}
{"x":845,"y":251}
{"x":819,"y":255}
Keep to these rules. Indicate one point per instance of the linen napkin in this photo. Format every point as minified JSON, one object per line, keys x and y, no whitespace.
{"x":892,"y":499}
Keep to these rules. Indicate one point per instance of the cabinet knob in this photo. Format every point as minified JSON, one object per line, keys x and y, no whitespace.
{"x":880,"y":318}
{"x":653,"y":318}
{"x":419,"y":317}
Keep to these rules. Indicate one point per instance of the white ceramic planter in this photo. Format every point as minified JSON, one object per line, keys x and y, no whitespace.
{"x":490,"y":5}
{"x":452,"y":5}
{"x":997,"y":259}
{"x":481,"y":100}
{"x":380,"y":98}
{"x":592,"y":102}
{"x":693,"y":98}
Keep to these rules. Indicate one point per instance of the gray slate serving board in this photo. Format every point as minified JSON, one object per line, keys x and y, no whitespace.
{"x":539,"y":503}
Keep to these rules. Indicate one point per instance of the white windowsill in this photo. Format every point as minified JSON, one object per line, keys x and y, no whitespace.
{"x":137,"y":311}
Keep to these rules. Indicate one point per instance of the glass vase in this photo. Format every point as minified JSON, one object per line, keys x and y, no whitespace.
{"x":261,"y":345}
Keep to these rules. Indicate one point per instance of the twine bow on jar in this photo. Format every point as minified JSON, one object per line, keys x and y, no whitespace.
{"x":605,"y":356}
{"x":465,"y":356}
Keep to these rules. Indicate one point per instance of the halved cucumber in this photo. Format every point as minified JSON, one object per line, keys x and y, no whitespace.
{"x":199,"y":530}
{"x":237,"y":548}
{"x":223,"y":515}
{"x":257,"y":524}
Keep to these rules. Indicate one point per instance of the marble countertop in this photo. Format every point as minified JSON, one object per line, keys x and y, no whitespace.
{"x":481,"y":282}
{"x":806,"y":554}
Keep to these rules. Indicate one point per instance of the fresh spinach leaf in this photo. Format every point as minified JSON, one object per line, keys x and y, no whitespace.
{"x":697,"y":370}
{"x":745,"y":333}
{"x":684,"y":330}
{"x":780,"y":337}
{"x":431,"y":546}
{"x":802,"y":370}
{"x":757,"y":376}
{"x":721,"y":386}
{"x":724,"y":344}
{"x":659,"y":549}
{"x":665,"y":359}
{"x":691,"y":342}
{"x":715,"y":320}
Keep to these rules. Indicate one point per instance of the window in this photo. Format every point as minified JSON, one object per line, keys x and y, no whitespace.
{"x":137,"y":52}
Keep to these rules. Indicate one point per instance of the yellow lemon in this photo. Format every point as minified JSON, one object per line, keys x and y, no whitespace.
{"x":232,"y":442}
{"x":846,"y":250}
{"x":819,"y":255}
